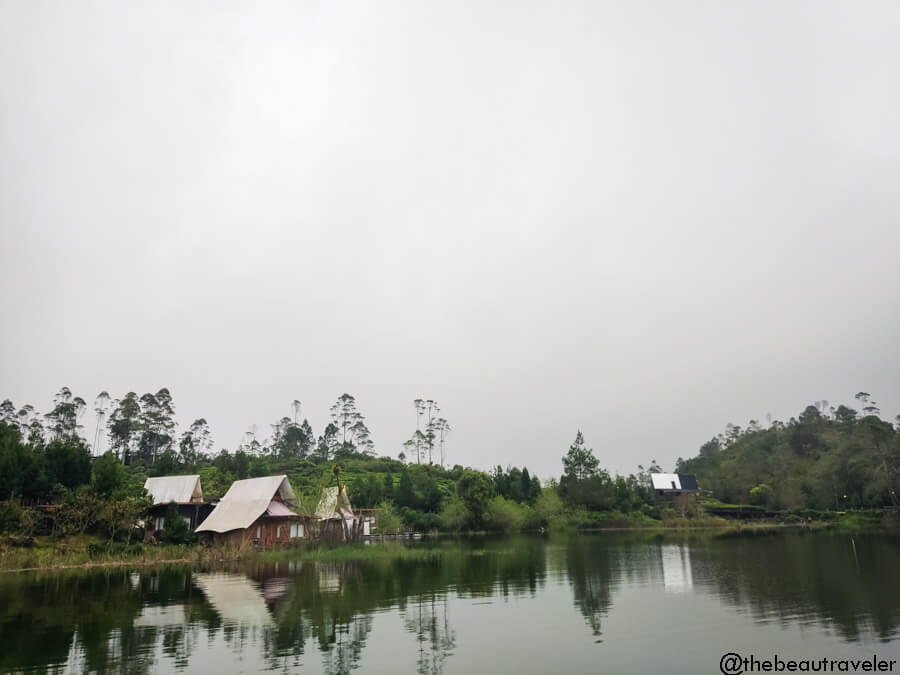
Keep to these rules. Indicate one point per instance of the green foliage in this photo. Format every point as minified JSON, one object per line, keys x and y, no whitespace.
{"x":820,"y":460}
{"x":579,"y":462}
{"x":14,"y":519}
{"x":79,"y":513}
{"x":21,"y":471}
{"x":455,"y":517}
{"x":387,"y":519}
{"x":404,"y":495}
{"x":550,"y":510}
{"x":420,"y":521}
{"x":109,"y":475}
{"x":515,"y":484}
{"x":215,"y":483}
{"x":32,"y":472}
{"x":176,"y":529}
{"x":474,"y":489}
{"x":68,"y":462}
{"x":508,"y":516}
{"x":761,"y":494}
{"x":118,"y":518}
{"x":167,"y":464}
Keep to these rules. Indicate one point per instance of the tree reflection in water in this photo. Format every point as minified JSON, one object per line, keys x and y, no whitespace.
{"x":429,"y":620}
{"x":279,"y":615}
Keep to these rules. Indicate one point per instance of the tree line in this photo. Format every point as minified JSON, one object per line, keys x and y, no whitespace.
{"x":142,"y":429}
{"x":828,"y":457}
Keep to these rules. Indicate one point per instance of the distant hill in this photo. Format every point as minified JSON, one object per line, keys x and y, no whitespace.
{"x":833,"y":459}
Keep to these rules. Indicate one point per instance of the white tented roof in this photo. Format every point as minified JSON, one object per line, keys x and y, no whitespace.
{"x":334,"y":504}
{"x":663,"y":481}
{"x":178,"y":489}
{"x":245,"y":501}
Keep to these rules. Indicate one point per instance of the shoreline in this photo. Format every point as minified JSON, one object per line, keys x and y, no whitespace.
{"x":200,"y":555}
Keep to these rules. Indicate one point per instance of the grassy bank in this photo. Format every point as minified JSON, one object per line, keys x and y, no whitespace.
{"x":88,"y":551}
{"x":17,"y":554}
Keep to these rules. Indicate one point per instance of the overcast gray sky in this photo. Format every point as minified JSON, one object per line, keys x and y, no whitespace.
{"x":641,"y":219}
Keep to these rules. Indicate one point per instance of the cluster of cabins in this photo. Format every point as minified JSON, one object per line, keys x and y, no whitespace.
{"x":259,"y":511}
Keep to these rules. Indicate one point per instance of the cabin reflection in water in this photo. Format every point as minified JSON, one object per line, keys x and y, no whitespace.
{"x":236,"y":599}
{"x":676,"y":567}
{"x":293,"y":616}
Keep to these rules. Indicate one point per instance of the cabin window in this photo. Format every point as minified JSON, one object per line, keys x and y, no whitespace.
{"x":160,"y":522}
{"x":258,"y":531}
{"x":278,"y":532}
{"x":300,"y":529}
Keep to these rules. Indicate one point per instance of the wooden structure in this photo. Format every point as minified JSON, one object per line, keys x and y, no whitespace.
{"x":185,"y":492}
{"x":334,"y":520}
{"x":369,"y":519}
{"x":675,"y":490}
{"x":256,"y":511}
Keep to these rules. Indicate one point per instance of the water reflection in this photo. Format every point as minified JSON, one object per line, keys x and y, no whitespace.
{"x":676,"y":568}
{"x":287,"y":615}
{"x":429,"y":620}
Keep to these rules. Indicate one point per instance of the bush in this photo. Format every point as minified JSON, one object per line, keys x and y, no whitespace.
{"x":474,"y":489}
{"x":387,"y":520}
{"x":109,"y":474}
{"x":96,"y":549}
{"x":455,"y":517}
{"x":507,"y":515}
{"x":550,"y":510}
{"x":14,"y":519}
{"x":419,"y":521}
{"x":177,"y":530}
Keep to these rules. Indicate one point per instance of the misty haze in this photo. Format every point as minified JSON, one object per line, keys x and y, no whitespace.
{"x":437,"y":299}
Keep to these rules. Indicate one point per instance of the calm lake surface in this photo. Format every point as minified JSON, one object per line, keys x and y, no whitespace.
{"x":612,"y":603}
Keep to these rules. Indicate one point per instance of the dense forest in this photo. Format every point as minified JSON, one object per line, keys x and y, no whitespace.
{"x":827,"y":458}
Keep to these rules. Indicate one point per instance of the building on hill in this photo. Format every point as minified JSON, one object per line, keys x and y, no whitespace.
{"x":258,"y":511}
{"x":675,"y":489}
{"x":184,"y":491}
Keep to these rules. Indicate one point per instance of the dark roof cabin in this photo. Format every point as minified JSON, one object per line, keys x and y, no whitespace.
{"x":668,"y":486}
{"x":256,"y":510}
{"x":184,"y":491}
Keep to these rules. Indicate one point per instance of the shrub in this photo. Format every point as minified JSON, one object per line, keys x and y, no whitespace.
{"x":419,"y":521}
{"x":455,"y":516}
{"x":177,"y":530}
{"x":550,"y":510}
{"x":388,"y":521}
{"x":506,"y":515}
{"x":14,"y":519}
{"x":96,"y":549}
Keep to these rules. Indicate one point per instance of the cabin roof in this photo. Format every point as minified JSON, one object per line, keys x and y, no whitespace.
{"x":674,"y":481}
{"x":178,"y":489}
{"x":334,"y":504}
{"x":245,"y":501}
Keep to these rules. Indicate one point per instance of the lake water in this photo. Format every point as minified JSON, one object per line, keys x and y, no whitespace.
{"x":589,"y":603}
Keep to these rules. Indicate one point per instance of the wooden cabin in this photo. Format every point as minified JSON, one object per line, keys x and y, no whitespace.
{"x":183,"y":491}
{"x":675,"y":490}
{"x":256,"y":511}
